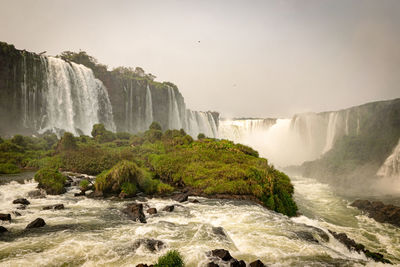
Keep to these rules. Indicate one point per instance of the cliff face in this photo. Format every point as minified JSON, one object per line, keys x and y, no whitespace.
{"x":39,"y":93}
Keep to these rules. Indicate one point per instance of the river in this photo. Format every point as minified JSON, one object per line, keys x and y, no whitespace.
{"x":91,"y":232}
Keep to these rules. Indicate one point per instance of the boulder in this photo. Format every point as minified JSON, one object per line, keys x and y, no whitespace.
{"x":5,"y":217}
{"x":194,"y":201}
{"x":169,"y":208}
{"x":237,"y":263}
{"x":181,"y":197}
{"x":151,"y":245}
{"x":135,"y":212}
{"x":38,"y":193}
{"x":3,"y":229}
{"x":257,"y":263}
{"x":39,"y":222}
{"x":22,"y":201}
{"x":144,"y":265}
{"x":219,"y":231}
{"x":152,"y":211}
{"x":222,"y":254}
{"x":79,"y":194}
{"x":54,"y":207}
{"x":379,"y":211}
{"x":307,"y":236}
{"x":212,"y":264}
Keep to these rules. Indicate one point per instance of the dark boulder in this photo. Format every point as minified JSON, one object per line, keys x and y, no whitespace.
{"x":378,"y":211}
{"x":3,"y":229}
{"x":39,"y":222}
{"x":181,"y":197}
{"x":219,"y":231}
{"x":152,"y":211}
{"x":151,"y":245}
{"x":257,"y":263}
{"x":16,"y":213}
{"x":5,"y":217}
{"x":135,"y":212}
{"x":144,"y":265}
{"x":212,"y":264}
{"x":194,"y":201}
{"x":169,"y":208}
{"x":222,"y":254}
{"x":38,"y":193}
{"x":353,"y":245}
{"x":22,"y":201}
{"x":237,"y":263}
{"x":82,"y":193}
{"x":307,"y":236}
{"x":54,"y":207}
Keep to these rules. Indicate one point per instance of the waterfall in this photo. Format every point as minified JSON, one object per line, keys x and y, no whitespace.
{"x":174,"y":116}
{"x":74,"y":99}
{"x":331,"y":131}
{"x":148,"y":108}
{"x":391,"y":166}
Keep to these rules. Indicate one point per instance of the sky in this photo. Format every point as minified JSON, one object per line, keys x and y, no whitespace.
{"x":241,"y":58}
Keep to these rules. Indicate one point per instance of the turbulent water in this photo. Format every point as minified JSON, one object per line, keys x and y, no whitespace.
{"x":95,"y":233}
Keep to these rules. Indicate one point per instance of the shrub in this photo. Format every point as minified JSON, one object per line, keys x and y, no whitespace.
{"x":128,"y":188}
{"x":18,"y":140}
{"x":153,"y":135}
{"x":123,"y":135}
{"x":50,"y":180}
{"x":84,"y":185}
{"x":201,"y":136}
{"x":101,"y":135}
{"x":8,"y":168}
{"x":155,"y":126}
{"x":172,"y":259}
{"x":67,"y":142}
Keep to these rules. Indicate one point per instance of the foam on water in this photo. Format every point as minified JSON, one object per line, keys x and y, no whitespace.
{"x":92,"y":232}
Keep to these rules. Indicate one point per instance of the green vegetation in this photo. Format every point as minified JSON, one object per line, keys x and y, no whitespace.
{"x":171,"y":259}
{"x":51,"y":180}
{"x":153,"y":162}
{"x":84,"y":185}
{"x":8,"y":168}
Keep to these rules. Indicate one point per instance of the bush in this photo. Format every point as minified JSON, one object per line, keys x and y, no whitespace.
{"x":129,"y":189}
{"x":123,"y":135}
{"x":101,"y":135}
{"x":172,"y":259}
{"x":50,"y":180}
{"x":67,"y":142}
{"x":155,"y":126}
{"x":8,"y":168}
{"x":18,"y":140}
{"x":153,"y":135}
{"x":84,"y":185}
{"x":201,"y":136}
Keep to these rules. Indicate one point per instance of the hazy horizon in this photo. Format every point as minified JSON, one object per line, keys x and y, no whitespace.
{"x":258,"y":59}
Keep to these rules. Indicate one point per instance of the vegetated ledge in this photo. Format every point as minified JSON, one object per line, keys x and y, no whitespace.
{"x":155,"y":163}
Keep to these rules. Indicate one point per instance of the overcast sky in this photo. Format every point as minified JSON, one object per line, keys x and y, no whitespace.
{"x":242,"y":58}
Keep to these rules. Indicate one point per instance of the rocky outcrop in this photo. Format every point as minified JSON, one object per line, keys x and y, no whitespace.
{"x":22,"y":201}
{"x":54,"y":207}
{"x":353,"y":245}
{"x":257,"y":263}
{"x":151,"y":245}
{"x":5,"y":217}
{"x":135,"y":212}
{"x":152,"y":211}
{"x":3,"y":229}
{"x":169,"y":208}
{"x":223,"y":257}
{"x":39,"y":222}
{"x":379,"y":211}
{"x":180,"y":197}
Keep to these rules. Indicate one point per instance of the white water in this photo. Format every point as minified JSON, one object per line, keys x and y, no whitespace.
{"x":391,"y":166}
{"x":75,"y":99}
{"x":95,"y":233}
{"x":149,"y":108}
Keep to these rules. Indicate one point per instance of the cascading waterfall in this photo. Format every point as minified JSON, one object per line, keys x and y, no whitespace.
{"x":75,"y":99}
{"x":148,"y":109}
{"x":331,"y":131}
{"x":391,"y":166}
{"x":175,"y":121}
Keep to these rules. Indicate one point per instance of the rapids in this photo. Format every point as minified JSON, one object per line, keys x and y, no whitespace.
{"x":92,"y":232}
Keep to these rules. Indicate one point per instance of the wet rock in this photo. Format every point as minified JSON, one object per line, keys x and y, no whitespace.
{"x":194,"y":201}
{"x":307,"y":236}
{"x":169,"y":208}
{"x":16,"y":213}
{"x":352,"y":245}
{"x":54,"y":207}
{"x":379,"y":211}
{"x":22,"y":201}
{"x":152,"y":211}
{"x":181,"y":197}
{"x":151,"y":245}
{"x":212,"y":264}
{"x":79,"y":194}
{"x":68,"y":184}
{"x":219,"y":231}
{"x":96,"y":194}
{"x":39,"y":222}
{"x":38,"y":193}
{"x":222,"y":254}
{"x":237,"y":263}
{"x":257,"y":263}
{"x":21,"y":207}
{"x":135,"y":212}
{"x":144,"y":265}
{"x":3,"y":229}
{"x":5,"y":217}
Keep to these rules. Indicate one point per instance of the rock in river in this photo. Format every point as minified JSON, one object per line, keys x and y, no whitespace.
{"x":39,"y":222}
{"x":22,"y":201}
{"x":135,"y":212}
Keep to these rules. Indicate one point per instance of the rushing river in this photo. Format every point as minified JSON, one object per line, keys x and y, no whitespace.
{"x":92,"y":232}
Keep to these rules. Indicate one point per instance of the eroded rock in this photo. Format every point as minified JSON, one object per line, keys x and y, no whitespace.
{"x":54,"y":207}
{"x":378,"y":211}
{"x":152,"y":211}
{"x":257,"y":263}
{"x":5,"y":217}
{"x":39,"y":222}
{"x":152,"y":245}
{"x":22,"y":201}
{"x":135,"y":212}
{"x":169,"y":208}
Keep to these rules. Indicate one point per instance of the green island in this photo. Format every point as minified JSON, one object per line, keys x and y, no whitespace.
{"x":153,"y":162}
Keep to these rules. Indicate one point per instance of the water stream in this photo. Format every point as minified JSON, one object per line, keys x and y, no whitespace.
{"x":92,"y":232}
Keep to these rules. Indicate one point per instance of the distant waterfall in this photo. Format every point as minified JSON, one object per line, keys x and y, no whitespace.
{"x":75,"y":99}
{"x":148,"y":109}
{"x":391,"y":166}
{"x":174,"y":117}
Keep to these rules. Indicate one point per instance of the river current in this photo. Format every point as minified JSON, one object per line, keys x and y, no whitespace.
{"x":91,"y":232}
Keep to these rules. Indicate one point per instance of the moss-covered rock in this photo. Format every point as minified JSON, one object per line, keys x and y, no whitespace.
{"x":51,"y":180}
